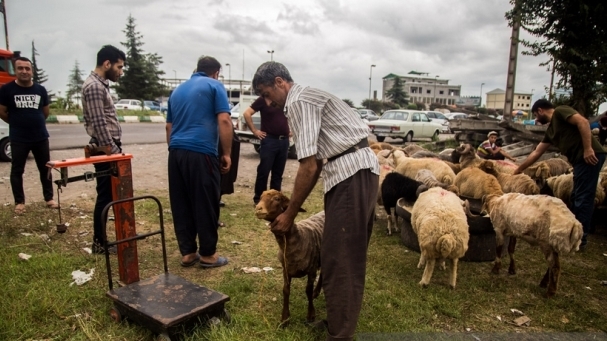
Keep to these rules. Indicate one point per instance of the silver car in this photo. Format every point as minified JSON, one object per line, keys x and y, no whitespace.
{"x":5,"y":144}
{"x":404,"y":124}
{"x":439,"y":118}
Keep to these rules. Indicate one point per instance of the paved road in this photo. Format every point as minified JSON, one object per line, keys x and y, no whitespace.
{"x":67,"y":136}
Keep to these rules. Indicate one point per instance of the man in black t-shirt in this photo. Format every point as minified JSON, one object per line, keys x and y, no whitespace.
{"x":24,"y":106}
{"x":274,"y":145}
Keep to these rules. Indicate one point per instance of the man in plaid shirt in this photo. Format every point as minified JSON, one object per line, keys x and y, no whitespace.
{"x":101,"y":123}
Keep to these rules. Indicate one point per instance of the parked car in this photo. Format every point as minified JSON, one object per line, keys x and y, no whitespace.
{"x":151,"y":105}
{"x":439,"y":118}
{"x":5,"y":144}
{"x":405,"y":124}
{"x":365,"y":121}
{"x":368,"y":114}
{"x":456,"y":115}
{"x":128,"y":104}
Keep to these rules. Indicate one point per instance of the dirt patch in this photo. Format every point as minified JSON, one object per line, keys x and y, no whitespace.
{"x":149,"y":174}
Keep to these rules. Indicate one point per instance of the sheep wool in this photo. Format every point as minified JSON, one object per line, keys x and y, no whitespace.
{"x":474,"y":183}
{"x":409,"y":167}
{"x":439,"y":220}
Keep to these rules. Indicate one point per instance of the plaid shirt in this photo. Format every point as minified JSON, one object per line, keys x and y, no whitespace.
{"x":100,"y":120}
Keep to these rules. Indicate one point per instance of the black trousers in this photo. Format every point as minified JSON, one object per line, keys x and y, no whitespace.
{"x":104,"y":197}
{"x":349,"y":210}
{"x":194,"y":195}
{"x":42,"y":155}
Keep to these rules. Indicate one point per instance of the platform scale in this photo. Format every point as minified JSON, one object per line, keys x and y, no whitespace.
{"x":166,"y":304}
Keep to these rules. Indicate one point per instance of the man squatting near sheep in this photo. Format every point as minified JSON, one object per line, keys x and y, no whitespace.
{"x":198,"y":116}
{"x":324,"y":127}
{"x":491,"y":151}
{"x":570,"y":133}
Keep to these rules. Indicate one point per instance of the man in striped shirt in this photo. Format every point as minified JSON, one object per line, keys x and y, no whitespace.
{"x":325,"y":127}
{"x":101,"y":124}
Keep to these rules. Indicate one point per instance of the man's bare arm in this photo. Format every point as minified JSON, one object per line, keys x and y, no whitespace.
{"x":248,"y":117}
{"x":168,"y":128}
{"x":4,"y":113}
{"x":582,"y":125}
{"x":539,"y":151}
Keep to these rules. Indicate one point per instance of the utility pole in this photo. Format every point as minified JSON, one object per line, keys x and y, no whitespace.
{"x":512,"y":58}
{"x":551,"y":80}
{"x":3,"y":9}
{"x":370,"y":75}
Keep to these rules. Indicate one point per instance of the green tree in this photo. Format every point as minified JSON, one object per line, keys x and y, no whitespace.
{"x":74,"y":86}
{"x":348,"y":102}
{"x":141,"y":79}
{"x":573,"y":35}
{"x":39,"y":76}
{"x":397,"y":94}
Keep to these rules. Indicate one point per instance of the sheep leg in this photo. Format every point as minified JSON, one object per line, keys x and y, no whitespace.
{"x":422,"y":259}
{"x":310,"y":295}
{"x":389,"y":213}
{"x":286,"y":293}
{"x":499,"y":245}
{"x":554,"y":273}
{"x":427,"y":272}
{"x":511,"y":247}
{"x":453,"y":273}
{"x":318,"y":286}
{"x":395,"y":219}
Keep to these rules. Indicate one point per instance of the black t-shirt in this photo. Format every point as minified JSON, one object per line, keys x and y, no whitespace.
{"x":26,"y":119}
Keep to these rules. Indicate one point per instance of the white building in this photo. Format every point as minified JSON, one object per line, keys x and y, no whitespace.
{"x":426,"y":90}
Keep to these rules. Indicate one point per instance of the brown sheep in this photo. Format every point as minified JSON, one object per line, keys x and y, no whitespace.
{"x":539,"y":172}
{"x":558,"y":166}
{"x":409,"y":167}
{"x":519,"y":183}
{"x":540,"y":220}
{"x":299,"y":249}
{"x":426,"y":177}
{"x":474,"y":183}
{"x":412,"y":148}
{"x":562,"y":186}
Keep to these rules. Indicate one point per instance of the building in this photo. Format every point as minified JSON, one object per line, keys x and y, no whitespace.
{"x":426,"y":90}
{"x":496,"y":99}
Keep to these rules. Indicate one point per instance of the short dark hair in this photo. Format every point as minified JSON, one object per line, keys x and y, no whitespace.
{"x":111,"y":53}
{"x":208,"y":65}
{"x":541,"y":104}
{"x":23,"y":59}
{"x":266,"y":75}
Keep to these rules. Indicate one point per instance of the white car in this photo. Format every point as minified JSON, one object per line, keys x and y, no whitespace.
{"x":404,"y":124}
{"x":5,"y":144}
{"x":456,"y":115}
{"x":128,"y":104}
{"x":439,"y":118}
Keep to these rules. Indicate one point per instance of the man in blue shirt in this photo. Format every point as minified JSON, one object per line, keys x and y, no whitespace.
{"x":198,"y":117}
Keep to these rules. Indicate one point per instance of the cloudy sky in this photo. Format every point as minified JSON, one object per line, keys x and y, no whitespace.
{"x":328,"y":44}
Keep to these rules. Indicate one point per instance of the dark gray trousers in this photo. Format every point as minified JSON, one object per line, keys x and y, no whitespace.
{"x":349,"y":210}
{"x":194,"y":194}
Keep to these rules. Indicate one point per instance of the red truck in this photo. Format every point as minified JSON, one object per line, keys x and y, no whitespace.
{"x":7,"y":74}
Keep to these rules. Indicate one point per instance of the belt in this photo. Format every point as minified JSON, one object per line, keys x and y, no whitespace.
{"x":362,"y":144}
{"x":277,"y":137}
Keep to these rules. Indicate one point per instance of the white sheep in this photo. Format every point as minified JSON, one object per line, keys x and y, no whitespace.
{"x":519,"y":183}
{"x":439,"y":220}
{"x":409,"y":167}
{"x":299,"y":249}
{"x":538,"y":219}
{"x":561,"y":187}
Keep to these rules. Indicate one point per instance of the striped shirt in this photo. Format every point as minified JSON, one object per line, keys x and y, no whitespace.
{"x":100,"y":120}
{"x":324,"y":125}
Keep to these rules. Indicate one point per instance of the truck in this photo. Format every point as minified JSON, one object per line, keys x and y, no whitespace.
{"x":7,"y":74}
{"x":243,"y":131}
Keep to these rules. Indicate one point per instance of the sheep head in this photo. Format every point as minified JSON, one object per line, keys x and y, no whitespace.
{"x":272,"y":204}
{"x":488,"y":203}
{"x":539,"y":172}
{"x":488,"y":167}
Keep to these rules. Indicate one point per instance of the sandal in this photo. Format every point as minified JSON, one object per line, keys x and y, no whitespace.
{"x":52,"y":204}
{"x":19,"y":209}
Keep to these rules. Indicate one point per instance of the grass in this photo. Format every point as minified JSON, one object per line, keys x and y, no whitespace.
{"x":39,"y":303}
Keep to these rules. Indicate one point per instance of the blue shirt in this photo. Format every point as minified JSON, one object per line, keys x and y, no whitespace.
{"x":192,"y":110}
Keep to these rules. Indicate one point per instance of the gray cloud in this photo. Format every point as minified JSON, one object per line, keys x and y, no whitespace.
{"x":299,"y":20}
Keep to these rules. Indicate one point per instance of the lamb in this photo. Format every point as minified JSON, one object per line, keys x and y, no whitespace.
{"x":383,"y":171}
{"x":409,"y":167}
{"x":384,"y":157}
{"x":539,"y":172}
{"x":412,"y":148}
{"x":379,"y":146}
{"x":519,"y":183}
{"x":562,"y":186}
{"x":540,"y":220}
{"x":447,"y":155}
{"x":474,"y":183}
{"x":468,"y":158}
{"x":424,"y":154}
{"x":558,"y":166}
{"x":441,"y":226}
{"x":427,"y":178}
{"x":299,"y":249}
{"x":394,"y":187}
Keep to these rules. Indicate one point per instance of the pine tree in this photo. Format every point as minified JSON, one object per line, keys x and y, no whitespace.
{"x":39,"y":76}
{"x":397,"y":94}
{"x":74,"y":85}
{"x":141,"y":79}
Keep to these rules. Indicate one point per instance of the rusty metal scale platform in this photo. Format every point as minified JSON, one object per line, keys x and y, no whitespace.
{"x":167,"y":304}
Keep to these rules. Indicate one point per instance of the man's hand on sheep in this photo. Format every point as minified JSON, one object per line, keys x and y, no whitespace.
{"x":282,"y":224}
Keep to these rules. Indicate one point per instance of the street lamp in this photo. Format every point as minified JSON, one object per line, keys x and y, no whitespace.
{"x":271,"y":52}
{"x":229,"y":78}
{"x":435,"y":81}
{"x":370,"y":75}
{"x":481,"y":102}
